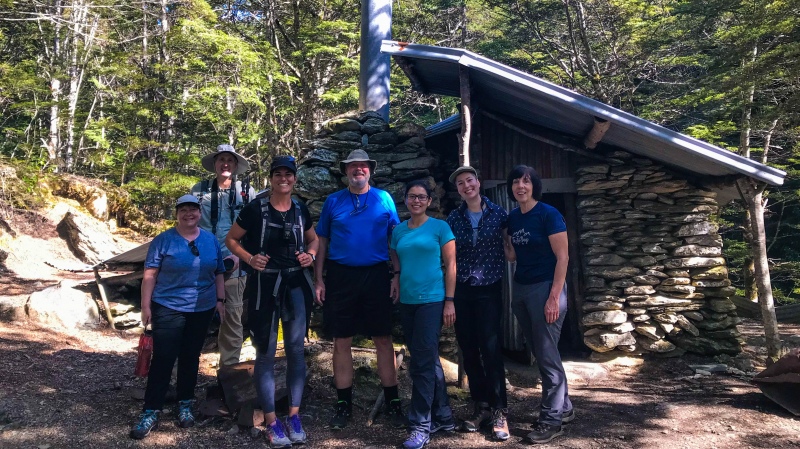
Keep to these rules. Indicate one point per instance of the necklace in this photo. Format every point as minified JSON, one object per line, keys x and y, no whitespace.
{"x":283,"y":215}
{"x":357,"y":208}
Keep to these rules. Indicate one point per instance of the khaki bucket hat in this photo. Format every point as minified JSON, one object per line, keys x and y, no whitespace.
{"x":208,"y":160}
{"x":358,"y":156}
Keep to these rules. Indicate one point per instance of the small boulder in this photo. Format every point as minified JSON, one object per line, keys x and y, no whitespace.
{"x":63,"y":305}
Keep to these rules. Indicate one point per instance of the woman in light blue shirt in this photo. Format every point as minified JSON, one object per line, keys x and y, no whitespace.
{"x":420,"y":247}
{"x":182,"y":286}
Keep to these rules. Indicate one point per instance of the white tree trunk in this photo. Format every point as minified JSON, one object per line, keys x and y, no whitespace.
{"x":52,"y":143}
{"x":753,"y":195}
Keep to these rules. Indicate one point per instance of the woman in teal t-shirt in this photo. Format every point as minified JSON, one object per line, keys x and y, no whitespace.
{"x":420,"y":247}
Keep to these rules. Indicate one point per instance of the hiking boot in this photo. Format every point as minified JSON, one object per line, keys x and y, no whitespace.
{"x":276,"y":435}
{"x":446,"y":426}
{"x":500,"y":424}
{"x":482,"y":416}
{"x":543,"y":433}
{"x":295,"y":430}
{"x":569,"y":416}
{"x":394,"y":413}
{"x":417,"y":440}
{"x":185,"y":417}
{"x":343,"y":413}
{"x":148,"y":420}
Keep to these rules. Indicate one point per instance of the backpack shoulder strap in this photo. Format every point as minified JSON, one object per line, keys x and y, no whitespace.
{"x":214,"y":207}
{"x":265,"y":221}
{"x":298,"y":214}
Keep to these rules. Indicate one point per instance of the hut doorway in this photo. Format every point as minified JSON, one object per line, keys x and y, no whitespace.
{"x":571,"y":343}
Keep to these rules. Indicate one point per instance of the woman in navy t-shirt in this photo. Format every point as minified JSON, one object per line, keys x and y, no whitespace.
{"x":536,"y":239}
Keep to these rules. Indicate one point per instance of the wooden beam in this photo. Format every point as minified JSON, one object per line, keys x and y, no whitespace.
{"x":541,"y":138}
{"x":466,"y":116}
{"x":102,"y":288}
{"x":596,"y":134}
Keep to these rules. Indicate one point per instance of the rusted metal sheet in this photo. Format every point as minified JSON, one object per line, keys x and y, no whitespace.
{"x":781,"y":382}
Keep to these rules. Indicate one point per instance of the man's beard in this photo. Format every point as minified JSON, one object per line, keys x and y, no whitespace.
{"x":357,"y":183}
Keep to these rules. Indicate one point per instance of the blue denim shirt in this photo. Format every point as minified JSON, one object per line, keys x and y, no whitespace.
{"x":483,"y":263}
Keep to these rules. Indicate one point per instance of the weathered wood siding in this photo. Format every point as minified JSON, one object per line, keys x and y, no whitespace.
{"x":502,"y":148}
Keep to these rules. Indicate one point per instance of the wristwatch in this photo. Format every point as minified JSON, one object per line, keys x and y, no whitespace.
{"x":222,"y":300}
{"x":313,"y":257}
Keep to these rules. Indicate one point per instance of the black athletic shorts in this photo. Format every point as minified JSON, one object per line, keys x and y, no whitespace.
{"x":357,"y":300}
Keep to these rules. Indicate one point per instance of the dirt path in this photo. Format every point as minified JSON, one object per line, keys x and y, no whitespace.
{"x":73,"y":391}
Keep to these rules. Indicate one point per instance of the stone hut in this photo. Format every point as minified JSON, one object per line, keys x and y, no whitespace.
{"x":646,"y":271}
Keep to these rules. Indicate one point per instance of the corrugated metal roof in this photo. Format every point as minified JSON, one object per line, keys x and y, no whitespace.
{"x":512,"y":92}
{"x":449,"y":124}
{"x":134,"y":256}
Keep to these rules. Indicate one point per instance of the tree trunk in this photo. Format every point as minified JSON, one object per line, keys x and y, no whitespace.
{"x":52,"y":143}
{"x":753,"y":195}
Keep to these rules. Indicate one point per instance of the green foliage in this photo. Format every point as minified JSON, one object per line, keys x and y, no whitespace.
{"x":157,"y":191}
{"x":160,"y":90}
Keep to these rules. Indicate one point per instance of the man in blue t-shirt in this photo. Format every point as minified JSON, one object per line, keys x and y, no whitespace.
{"x":354,"y":229}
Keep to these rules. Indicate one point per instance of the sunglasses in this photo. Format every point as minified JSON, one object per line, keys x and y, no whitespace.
{"x":193,"y":248}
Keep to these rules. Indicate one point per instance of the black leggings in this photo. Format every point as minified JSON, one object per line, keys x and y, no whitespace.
{"x":176,"y":335}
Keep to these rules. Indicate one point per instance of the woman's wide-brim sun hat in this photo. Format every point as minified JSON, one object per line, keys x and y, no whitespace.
{"x":358,"y":156}
{"x":241,"y":163}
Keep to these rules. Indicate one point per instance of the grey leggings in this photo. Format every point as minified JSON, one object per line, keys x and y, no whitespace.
{"x":542,"y":338}
{"x":294,"y":332}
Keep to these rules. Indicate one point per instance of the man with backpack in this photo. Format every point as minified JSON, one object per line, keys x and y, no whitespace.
{"x":221,"y":200}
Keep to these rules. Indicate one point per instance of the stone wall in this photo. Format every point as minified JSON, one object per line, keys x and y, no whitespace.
{"x":654,"y":276}
{"x":400,"y":153}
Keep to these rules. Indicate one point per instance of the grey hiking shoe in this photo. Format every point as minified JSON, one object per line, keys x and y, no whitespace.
{"x":295,"y":429}
{"x":148,"y":420}
{"x":443,"y":426}
{"x":276,"y":435}
{"x":543,"y":433}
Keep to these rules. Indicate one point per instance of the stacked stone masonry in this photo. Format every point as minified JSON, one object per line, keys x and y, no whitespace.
{"x":654,"y":277}
{"x":400,"y":153}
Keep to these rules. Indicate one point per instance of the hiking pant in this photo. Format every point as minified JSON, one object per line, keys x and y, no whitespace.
{"x":176,"y":335}
{"x":231,"y":330}
{"x":422,"y":326}
{"x":527,"y":304}
{"x":294,"y":332}
{"x":479,"y":312}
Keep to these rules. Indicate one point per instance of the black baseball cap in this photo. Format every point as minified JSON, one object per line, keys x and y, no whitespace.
{"x":283,"y":161}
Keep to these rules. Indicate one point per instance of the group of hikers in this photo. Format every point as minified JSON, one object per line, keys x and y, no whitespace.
{"x":249,"y":256}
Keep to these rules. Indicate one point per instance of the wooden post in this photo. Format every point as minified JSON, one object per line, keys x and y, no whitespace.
{"x":101,"y":286}
{"x":596,"y":134}
{"x":462,"y":374}
{"x":466,"y":117}
{"x":379,"y":400}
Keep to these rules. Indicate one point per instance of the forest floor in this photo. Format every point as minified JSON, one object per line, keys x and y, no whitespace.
{"x":76,"y":389}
